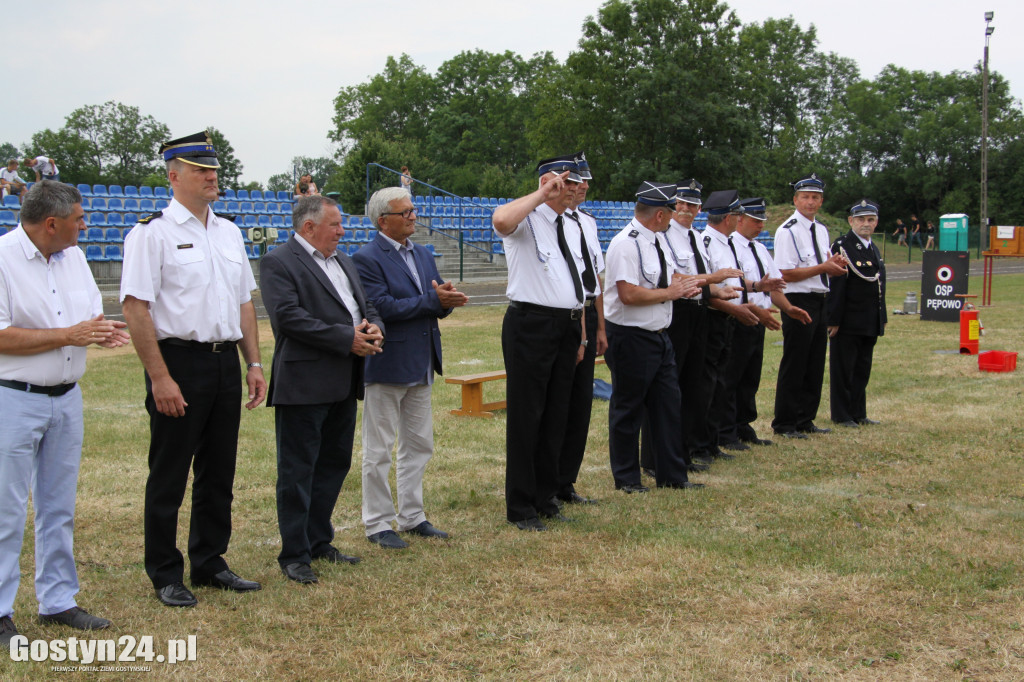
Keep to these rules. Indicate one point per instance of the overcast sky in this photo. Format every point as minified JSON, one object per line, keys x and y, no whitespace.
{"x":266,"y":75}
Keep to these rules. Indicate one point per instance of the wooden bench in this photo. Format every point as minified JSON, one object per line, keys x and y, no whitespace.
{"x":473,"y":404}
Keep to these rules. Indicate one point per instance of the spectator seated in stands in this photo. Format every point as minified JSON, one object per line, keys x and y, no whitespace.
{"x":45,"y":168}
{"x":11,"y":182}
{"x":305,"y":187}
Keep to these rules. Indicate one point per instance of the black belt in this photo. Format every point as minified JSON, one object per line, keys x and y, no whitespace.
{"x":573,"y":313}
{"x":52,"y":391}
{"x":811,"y":294}
{"x":630,"y":329}
{"x":695,"y":302}
{"x":214,"y":347}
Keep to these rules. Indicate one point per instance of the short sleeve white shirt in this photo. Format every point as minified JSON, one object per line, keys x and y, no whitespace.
{"x":795,"y":249}
{"x":633,"y":258}
{"x":721,"y":255}
{"x":678,"y":239}
{"x":588,"y":225}
{"x":195,"y":277}
{"x":750,"y":270}
{"x":44,"y":166}
{"x":40,"y":294}
{"x":537,"y":272}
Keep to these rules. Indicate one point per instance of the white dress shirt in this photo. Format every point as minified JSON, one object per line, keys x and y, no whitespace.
{"x":40,"y":294}
{"x":633,"y":258}
{"x":341,"y":282}
{"x":794,"y":249}
{"x":750,"y":270}
{"x":588,"y":225}
{"x":537,"y":272}
{"x":195,"y":277}
{"x":721,"y":256}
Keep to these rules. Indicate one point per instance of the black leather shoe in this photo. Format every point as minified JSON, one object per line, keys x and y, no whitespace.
{"x":813,"y":428}
{"x":77,"y":618}
{"x":7,"y":632}
{"x":701,"y":459}
{"x":868,"y":422}
{"x":226,"y":580}
{"x":850,"y":424}
{"x":736,"y":445}
{"x":532,"y":523}
{"x":631,"y":488}
{"x":756,"y":441}
{"x":300,"y":573}
{"x":388,"y":539}
{"x":335,"y":557}
{"x":647,"y":471}
{"x":575,"y":498}
{"x":427,"y":530}
{"x":557,"y":516}
{"x":685,"y":485}
{"x":722,"y":455}
{"x":697,"y":467}
{"x":176,"y":594}
{"x":796,"y":435}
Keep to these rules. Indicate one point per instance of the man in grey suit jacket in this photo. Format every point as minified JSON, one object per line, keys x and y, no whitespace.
{"x":323,"y":328}
{"x":402,"y":282}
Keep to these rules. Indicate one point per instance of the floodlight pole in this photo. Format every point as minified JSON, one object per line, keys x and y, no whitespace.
{"x":984,"y":234}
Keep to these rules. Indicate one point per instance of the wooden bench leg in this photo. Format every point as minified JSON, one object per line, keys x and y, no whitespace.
{"x":472,"y":402}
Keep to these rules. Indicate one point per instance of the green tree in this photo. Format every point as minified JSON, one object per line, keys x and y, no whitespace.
{"x":281,"y":182}
{"x":230,"y":167}
{"x":9,"y":151}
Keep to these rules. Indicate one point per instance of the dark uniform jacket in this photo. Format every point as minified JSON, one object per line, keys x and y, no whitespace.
{"x":856,"y":300}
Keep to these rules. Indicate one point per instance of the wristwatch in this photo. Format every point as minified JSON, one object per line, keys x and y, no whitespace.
{"x":254,"y":364}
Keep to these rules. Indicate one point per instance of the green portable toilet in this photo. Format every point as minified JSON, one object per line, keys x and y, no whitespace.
{"x":953,"y":232}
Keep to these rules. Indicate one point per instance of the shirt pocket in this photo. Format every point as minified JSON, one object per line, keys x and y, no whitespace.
{"x":187,"y":269}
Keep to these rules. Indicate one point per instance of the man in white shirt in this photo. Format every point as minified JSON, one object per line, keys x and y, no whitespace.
{"x":641,"y":284}
{"x":10,"y":182}
{"x":802,"y":254}
{"x":50,"y":310}
{"x":186,"y":293}
{"x":45,"y":168}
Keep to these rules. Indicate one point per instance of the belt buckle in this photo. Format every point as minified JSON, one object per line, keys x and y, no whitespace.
{"x":575,"y":313}
{"x":218,"y":346}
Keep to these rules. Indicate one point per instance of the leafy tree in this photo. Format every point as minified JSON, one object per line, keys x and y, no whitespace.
{"x":281,"y":182}
{"x":9,"y":151}
{"x":230,"y":167}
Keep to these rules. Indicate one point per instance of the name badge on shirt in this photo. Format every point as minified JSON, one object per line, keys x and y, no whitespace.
{"x":184,"y":246}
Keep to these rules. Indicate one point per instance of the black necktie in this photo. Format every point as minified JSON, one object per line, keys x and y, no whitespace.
{"x":705,"y":291}
{"x":760,"y":266}
{"x":743,"y":284}
{"x":563,"y":246}
{"x":817,"y":254}
{"x":663,"y":277}
{"x":589,"y":276}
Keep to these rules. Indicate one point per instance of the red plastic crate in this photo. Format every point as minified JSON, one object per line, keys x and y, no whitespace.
{"x":997,"y":361}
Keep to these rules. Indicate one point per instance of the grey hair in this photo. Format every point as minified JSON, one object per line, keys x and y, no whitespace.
{"x":646,"y":210}
{"x":310,"y":208}
{"x":47,"y":199}
{"x":717,"y":219}
{"x":380,"y":202}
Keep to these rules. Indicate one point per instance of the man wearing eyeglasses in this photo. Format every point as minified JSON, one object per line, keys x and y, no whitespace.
{"x":402,"y":281}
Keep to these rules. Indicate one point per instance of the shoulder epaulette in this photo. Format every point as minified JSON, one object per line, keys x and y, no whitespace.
{"x":791,"y":223}
{"x":587,"y":213}
{"x":634,"y":233}
{"x":151,"y":216}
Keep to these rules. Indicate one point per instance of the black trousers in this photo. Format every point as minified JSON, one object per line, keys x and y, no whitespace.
{"x":849,"y":373}
{"x":644,"y":379}
{"x":314,"y":454}
{"x":540,"y":357}
{"x":742,"y":379}
{"x":689,"y":335}
{"x":802,"y":369}
{"x":205,"y":440}
{"x":581,"y":402}
{"x":716,"y":359}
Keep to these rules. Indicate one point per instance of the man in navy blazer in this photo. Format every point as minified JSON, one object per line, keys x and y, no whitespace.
{"x":403,"y":284}
{"x":324,"y":325}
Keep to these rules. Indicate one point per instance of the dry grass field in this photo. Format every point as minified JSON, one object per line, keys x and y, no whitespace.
{"x":887,"y":552}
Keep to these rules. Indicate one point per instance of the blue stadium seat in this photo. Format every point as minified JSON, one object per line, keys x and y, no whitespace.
{"x":160,"y":193}
{"x":359,"y":235}
{"x":147,"y":206}
{"x":116,"y":191}
{"x":284,"y":195}
{"x":433,"y":252}
{"x":250,"y":250}
{"x":288,"y":220}
{"x":367,"y":223}
{"x":113,"y":234}
{"x":94,"y":234}
{"x":115,"y":220}
{"x":273,"y":208}
{"x":115,"y":204}
{"x":259,"y":207}
{"x":242,"y":194}
{"x":98,"y":204}
{"x":276,"y":221}
{"x":161,"y":204}
{"x":94,"y":252}
{"x":498,"y":247}
{"x":263,"y":220}
{"x":131,"y":218}
{"x":113,"y":252}
{"x":97,"y":220}
{"x":448,"y":201}
{"x":127,"y":229}
{"x":3,"y":231}
{"x":7,"y":217}
{"x":85,"y":190}
{"x":233,"y":208}
{"x":245,"y":207}
{"x":219,"y":206}
{"x":229,"y":195}
{"x":145,"y":192}
{"x":282,"y":235}
{"x":131,"y":191}
{"x":249,"y":221}
{"x":99,"y":191}
{"x":131,"y":204}
{"x":12,"y":202}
